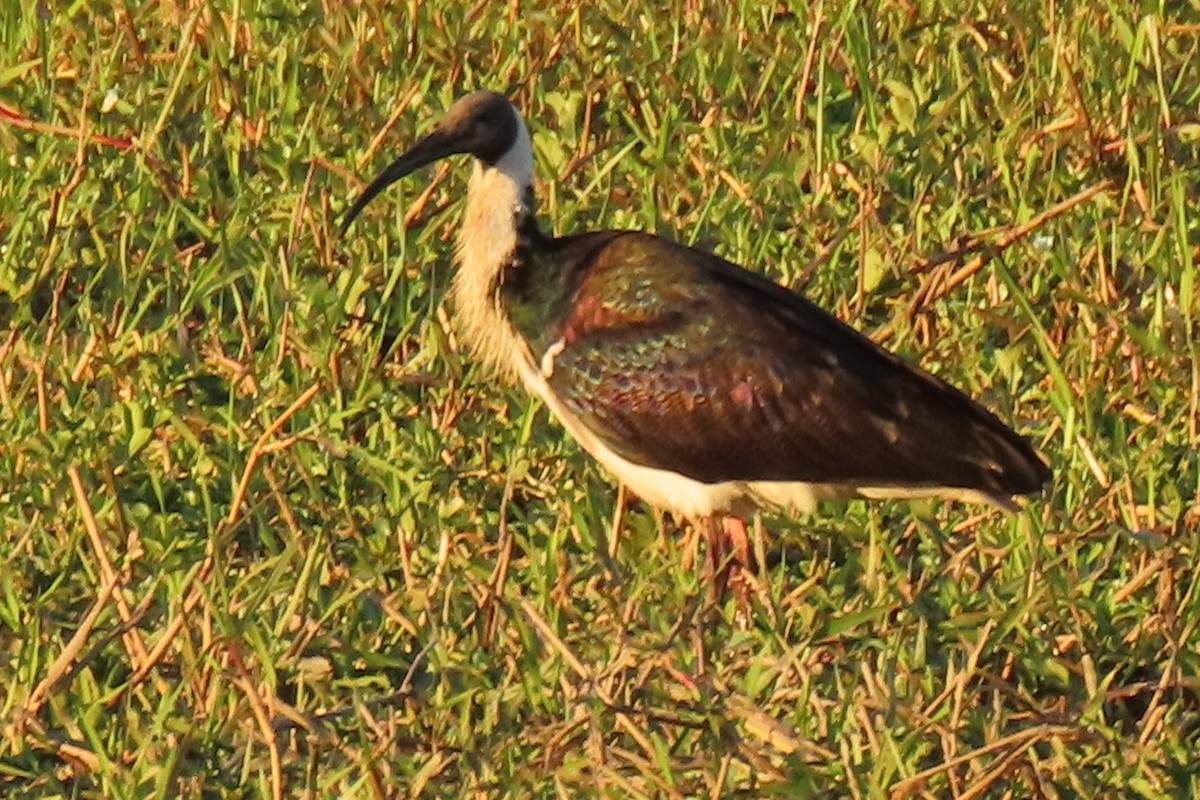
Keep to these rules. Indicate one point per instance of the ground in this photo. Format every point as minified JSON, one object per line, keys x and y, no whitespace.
{"x":268,"y":531}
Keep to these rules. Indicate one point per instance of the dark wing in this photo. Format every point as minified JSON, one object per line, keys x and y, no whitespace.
{"x":682,"y":361}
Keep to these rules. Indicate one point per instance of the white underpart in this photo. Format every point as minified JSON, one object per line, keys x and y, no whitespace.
{"x":495,"y":203}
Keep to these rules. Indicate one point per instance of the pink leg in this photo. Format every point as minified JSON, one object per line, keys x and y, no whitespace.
{"x":729,"y":559}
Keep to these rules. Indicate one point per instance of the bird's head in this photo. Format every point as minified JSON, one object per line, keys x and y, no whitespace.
{"x":483,"y":124}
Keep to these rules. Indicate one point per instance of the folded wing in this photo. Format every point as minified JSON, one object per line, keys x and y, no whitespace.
{"x":682,"y":361}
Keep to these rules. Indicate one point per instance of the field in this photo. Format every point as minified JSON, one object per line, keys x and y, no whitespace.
{"x":267,"y":530}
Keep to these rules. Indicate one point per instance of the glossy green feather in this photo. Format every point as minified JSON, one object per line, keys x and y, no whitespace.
{"x":681,"y":361}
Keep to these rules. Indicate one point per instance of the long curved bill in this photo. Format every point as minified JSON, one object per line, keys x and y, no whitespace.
{"x":437,"y":145}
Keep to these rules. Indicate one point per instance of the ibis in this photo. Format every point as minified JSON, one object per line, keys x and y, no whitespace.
{"x":709,"y":390}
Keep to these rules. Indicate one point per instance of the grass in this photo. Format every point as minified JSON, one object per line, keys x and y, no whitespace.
{"x":266,"y":533}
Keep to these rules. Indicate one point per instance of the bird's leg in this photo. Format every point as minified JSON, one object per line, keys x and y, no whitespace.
{"x":729,"y":559}
{"x":715,"y":562}
{"x":739,"y":540}
{"x":743,"y":571}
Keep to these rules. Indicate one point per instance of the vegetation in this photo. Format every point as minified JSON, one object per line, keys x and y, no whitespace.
{"x":266,"y":533}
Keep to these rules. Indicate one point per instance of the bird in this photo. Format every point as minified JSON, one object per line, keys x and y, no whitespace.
{"x":707,"y":389}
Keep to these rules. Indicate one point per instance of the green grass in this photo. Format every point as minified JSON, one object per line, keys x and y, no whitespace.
{"x":266,"y":532}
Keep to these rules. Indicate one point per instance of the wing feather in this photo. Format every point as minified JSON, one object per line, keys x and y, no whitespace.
{"x":681,"y":361}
